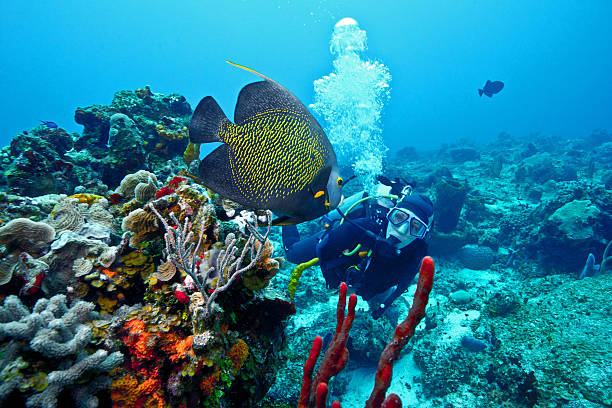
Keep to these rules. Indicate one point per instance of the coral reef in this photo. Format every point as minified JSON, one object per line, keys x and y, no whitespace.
{"x":123,"y":282}
{"x":117,"y":139}
{"x":174,"y":354}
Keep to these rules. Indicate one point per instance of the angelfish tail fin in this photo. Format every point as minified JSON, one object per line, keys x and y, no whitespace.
{"x":480,"y":91}
{"x":206,"y":121}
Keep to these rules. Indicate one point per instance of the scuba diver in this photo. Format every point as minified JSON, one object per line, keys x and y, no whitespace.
{"x":373,"y":243}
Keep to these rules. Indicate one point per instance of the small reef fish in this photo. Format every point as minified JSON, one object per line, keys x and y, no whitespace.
{"x":491,"y":88}
{"x":49,"y":124}
{"x":275,"y":156}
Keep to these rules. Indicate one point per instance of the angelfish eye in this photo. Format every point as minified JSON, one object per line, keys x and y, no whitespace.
{"x":339,"y":181}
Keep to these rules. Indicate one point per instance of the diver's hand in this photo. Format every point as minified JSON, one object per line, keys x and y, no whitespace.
{"x":378,"y":312}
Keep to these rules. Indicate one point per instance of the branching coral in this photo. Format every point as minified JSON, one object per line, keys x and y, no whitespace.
{"x":183,"y":254}
{"x":55,"y":332}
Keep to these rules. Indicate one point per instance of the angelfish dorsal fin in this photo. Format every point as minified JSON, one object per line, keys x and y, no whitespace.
{"x":250,"y":70}
{"x":263,"y":96}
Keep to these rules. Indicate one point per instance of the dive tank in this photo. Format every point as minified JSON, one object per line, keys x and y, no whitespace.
{"x":334,"y":215}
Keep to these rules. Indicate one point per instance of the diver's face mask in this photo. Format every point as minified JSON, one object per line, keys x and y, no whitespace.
{"x":405,"y":227}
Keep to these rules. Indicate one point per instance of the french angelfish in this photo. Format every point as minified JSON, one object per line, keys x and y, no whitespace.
{"x":275,"y":156}
{"x":491,"y":88}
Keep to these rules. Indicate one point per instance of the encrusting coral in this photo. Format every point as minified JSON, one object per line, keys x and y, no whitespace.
{"x":265,"y":268}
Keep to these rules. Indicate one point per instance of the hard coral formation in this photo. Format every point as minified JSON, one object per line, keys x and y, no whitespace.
{"x":264,"y":269}
{"x":575,"y":219}
{"x":38,"y":163}
{"x":57,"y":333}
{"x":144,"y":192}
{"x":127,"y":188}
{"x":142,"y":224}
{"x":117,"y":140}
{"x":26,"y":235}
{"x":476,"y":257}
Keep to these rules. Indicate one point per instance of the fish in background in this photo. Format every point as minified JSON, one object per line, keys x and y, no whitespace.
{"x":275,"y":156}
{"x":49,"y":124}
{"x":491,"y":88}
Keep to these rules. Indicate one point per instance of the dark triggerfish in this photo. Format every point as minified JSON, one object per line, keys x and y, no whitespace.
{"x":491,"y":88}
{"x":276,"y":156}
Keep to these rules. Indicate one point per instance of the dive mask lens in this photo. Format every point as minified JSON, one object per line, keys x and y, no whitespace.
{"x":406,"y":221}
{"x":397,"y":216}
{"x":417,"y":228}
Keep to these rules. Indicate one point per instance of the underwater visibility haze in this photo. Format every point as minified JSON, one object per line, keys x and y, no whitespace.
{"x":289,"y":203}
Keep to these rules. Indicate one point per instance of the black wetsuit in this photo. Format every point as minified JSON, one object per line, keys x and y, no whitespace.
{"x":367,"y":275}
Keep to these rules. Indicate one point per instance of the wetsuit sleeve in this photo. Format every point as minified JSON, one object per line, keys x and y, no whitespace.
{"x":411,"y":264}
{"x":296,"y":250}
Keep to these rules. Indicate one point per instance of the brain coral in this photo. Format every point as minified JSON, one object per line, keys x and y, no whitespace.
{"x":128,"y":184}
{"x":143,"y":192}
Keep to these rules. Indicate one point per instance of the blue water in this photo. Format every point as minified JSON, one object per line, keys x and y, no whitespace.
{"x":554,"y":56}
